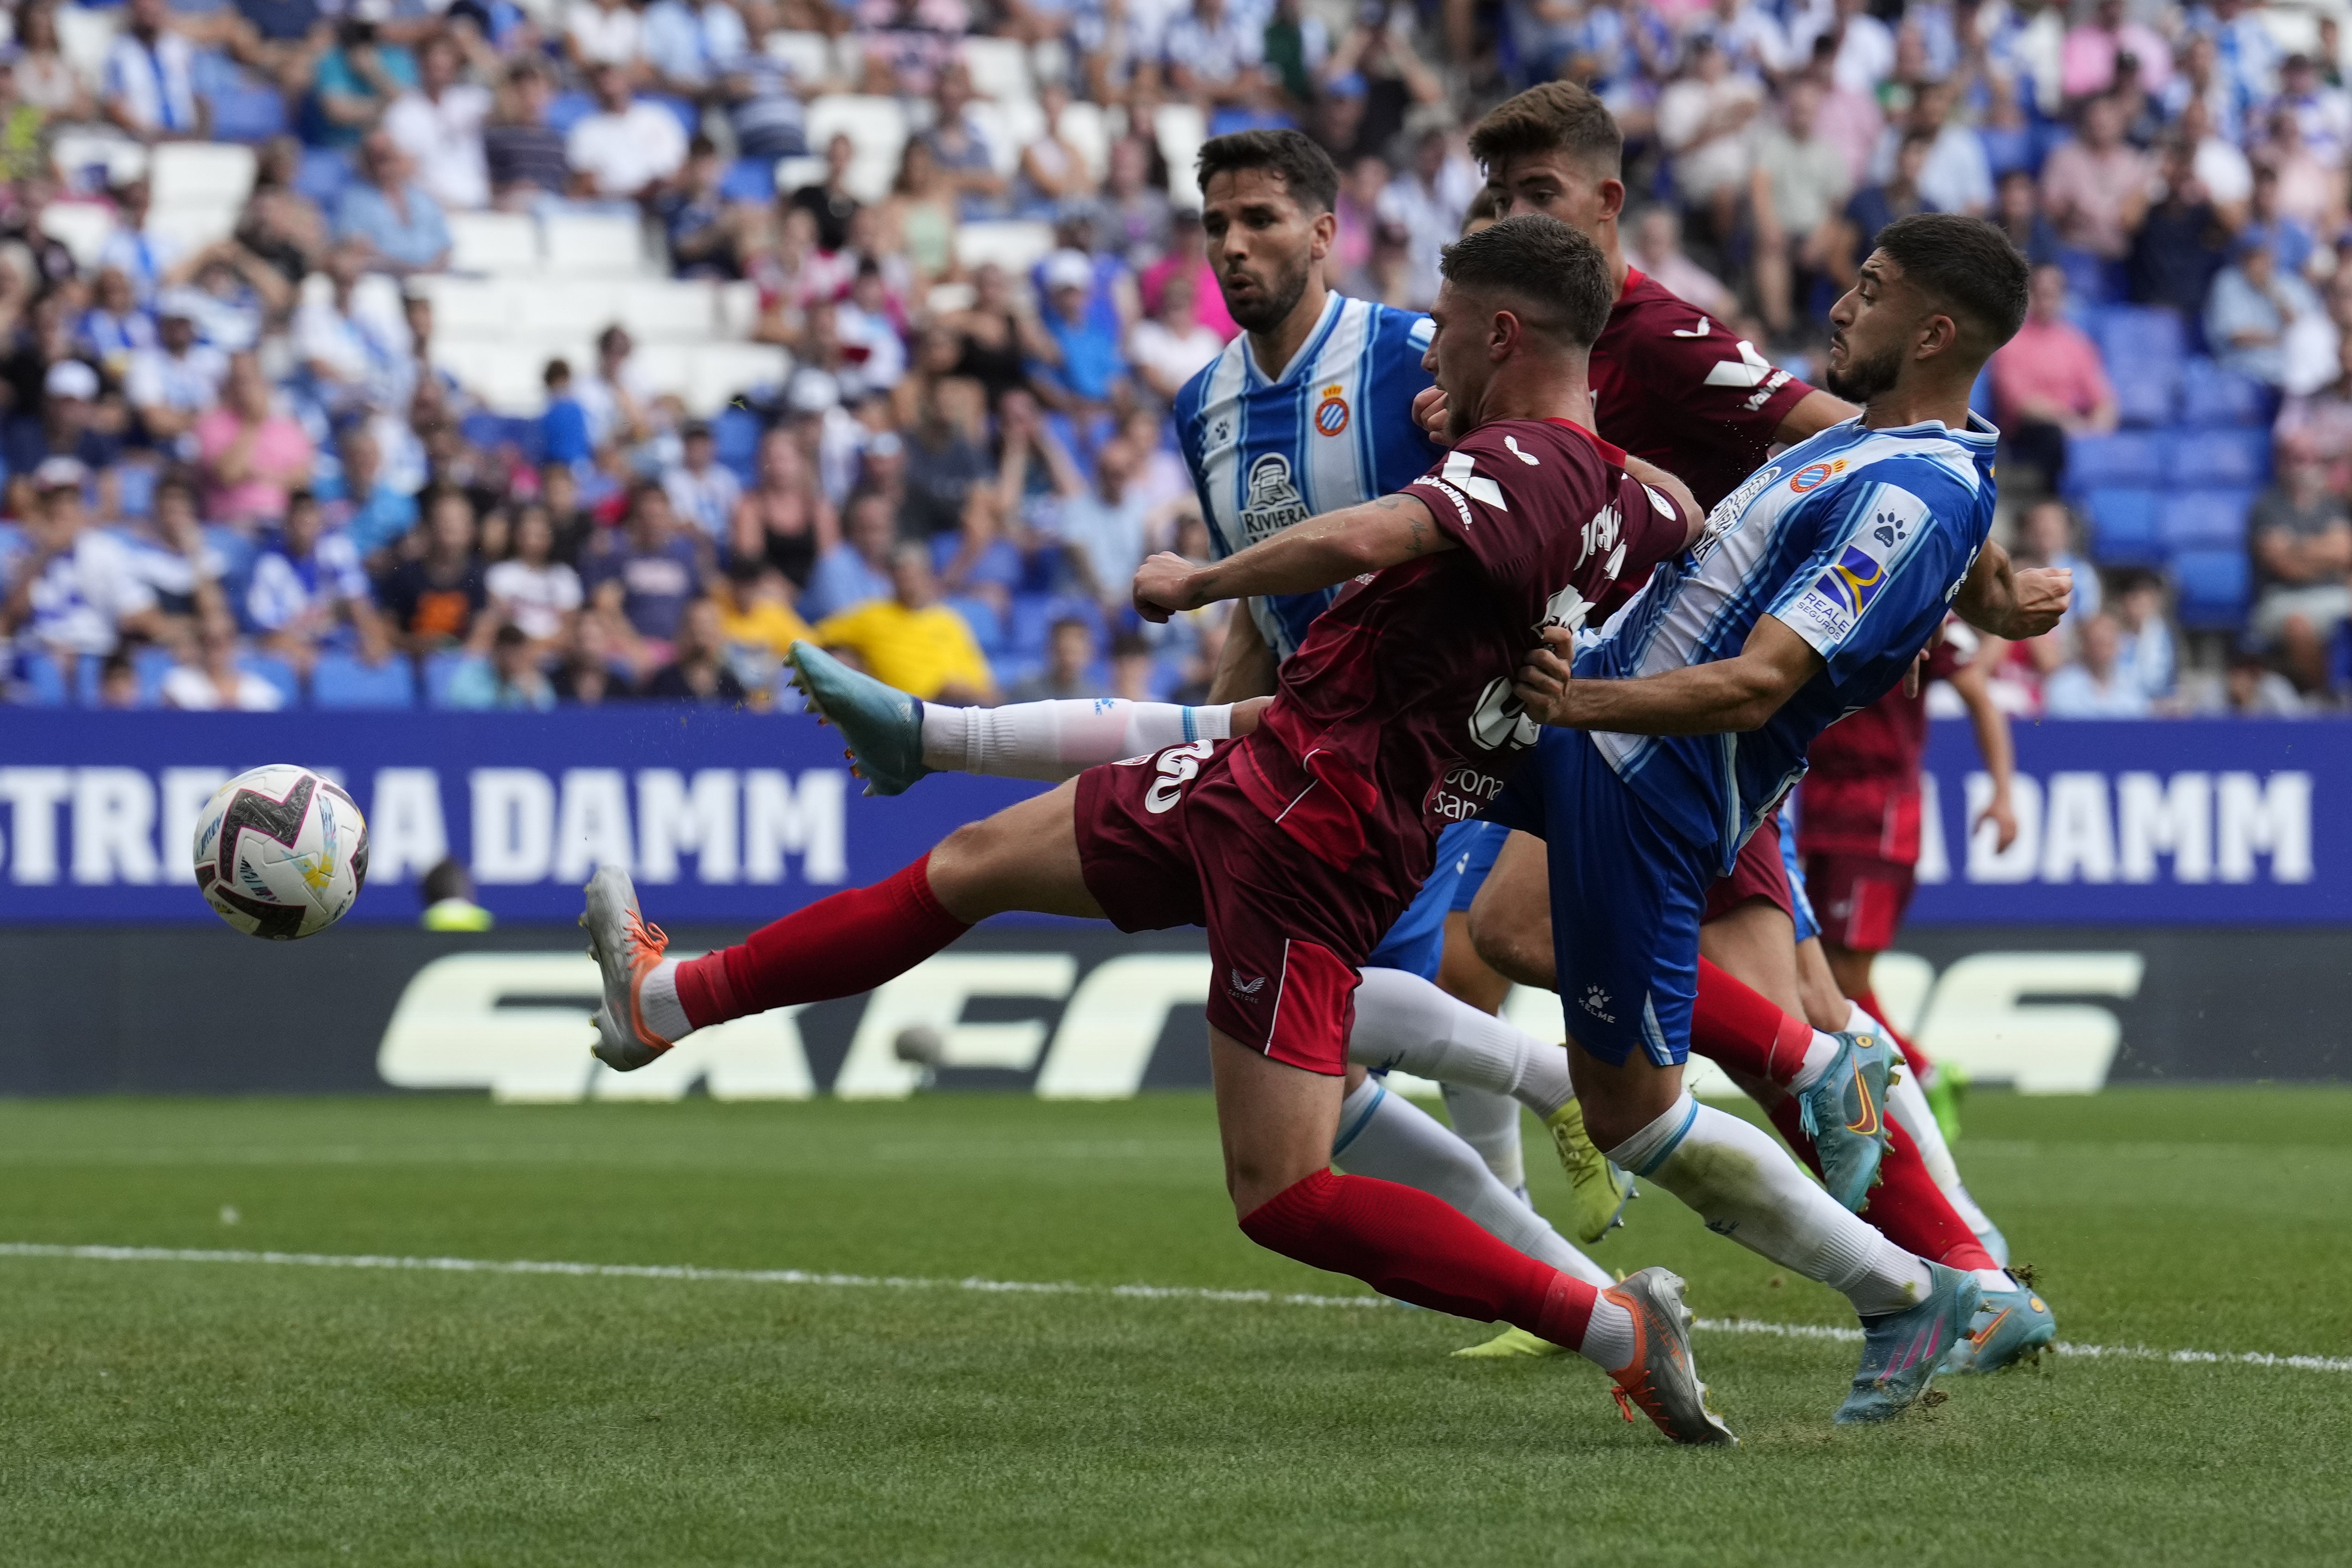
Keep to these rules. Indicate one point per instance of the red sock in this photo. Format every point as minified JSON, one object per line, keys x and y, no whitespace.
{"x":1738,"y":1027}
{"x":836,"y":946}
{"x":1404,"y":1243}
{"x":1920,"y":1064}
{"x":1908,"y":1208}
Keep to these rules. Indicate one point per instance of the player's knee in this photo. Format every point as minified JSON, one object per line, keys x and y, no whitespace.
{"x":1510,"y":948}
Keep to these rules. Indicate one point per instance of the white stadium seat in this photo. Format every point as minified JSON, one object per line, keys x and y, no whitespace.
{"x":999,"y":68}
{"x":507,"y":381}
{"x":1005,"y":130}
{"x":669,"y":311}
{"x":192,"y":227}
{"x":876,"y":126}
{"x":202,"y":173}
{"x":1180,"y":129}
{"x":561,"y":308}
{"x":1014,"y":246}
{"x":807,"y":56}
{"x":724,"y":371}
{"x":1050,"y":60}
{"x":493,"y":243}
{"x":1084,"y":126}
{"x":82,"y":228}
{"x":791,"y":174}
{"x":85,"y":33}
{"x":667,"y":368}
{"x":72,"y":151}
{"x":738,"y":309}
{"x":596,"y":245}
{"x":470,"y":308}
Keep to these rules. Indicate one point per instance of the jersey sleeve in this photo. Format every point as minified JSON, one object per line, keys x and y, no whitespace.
{"x":1710,"y":376}
{"x":1882,"y":569}
{"x":1490,"y":495}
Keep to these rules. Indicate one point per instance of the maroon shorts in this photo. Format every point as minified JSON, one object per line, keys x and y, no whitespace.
{"x":1860,"y":899}
{"x":1169,"y":839}
{"x":1757,"y":873}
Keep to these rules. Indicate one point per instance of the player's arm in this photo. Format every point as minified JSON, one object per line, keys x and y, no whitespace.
{"x":1246,"y":667}
{"x":1306,"y":558}
{"x":1973,"y":681}
{"x":1814,"y":412}
{"x":1729,"y":697}
{"x":1996,"y":597}
{"x":1673,"y":489}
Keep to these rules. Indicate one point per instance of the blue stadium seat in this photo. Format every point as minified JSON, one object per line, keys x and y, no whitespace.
{"x":568,"y":109}
{"x":2122,"y":526}
{"x":340,"y":680}
{"x":1979,"y":396}
{"x":2086,"y":276}
{"x":277,"y":671}
{"x":40,"y":681}
{"x":736,"y":433}
{"x":134,"y":488}
{"x":688,"y":118}
{"x":2129,"y":457}
{"x":1012,"y":669}
{"x":152,"y":665}
{"x":2211,"y":395}
{"x":987,"y":626}
{"x":2194,"y":458}
{"x":2213,"y":587}
{"x":244,"y":112}
{"x":2144,"y":348}
{"x":2202,"y":520}
{"x":440,"y":669}
{"x":750,"y":180}
{"x":325,"y":171}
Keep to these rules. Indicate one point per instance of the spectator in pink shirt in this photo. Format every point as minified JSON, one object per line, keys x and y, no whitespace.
{"x":252,"y":455}
{"x":1188,"y":252}
{"x":2048,"y":382}
{"x":1848,"y":120}
{"x":2096,"y":185}
{"x":2086,"y":62}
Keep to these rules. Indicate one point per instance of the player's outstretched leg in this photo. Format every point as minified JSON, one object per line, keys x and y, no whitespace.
{"x":1405,"y":1022}
{"x":895,"y":740}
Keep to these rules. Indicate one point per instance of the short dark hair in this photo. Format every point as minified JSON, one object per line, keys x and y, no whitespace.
{"x":1553,"y":117}
{"x":1544,"y":262}
{"x":1966,"y":264}
{"x":1307,"y":170}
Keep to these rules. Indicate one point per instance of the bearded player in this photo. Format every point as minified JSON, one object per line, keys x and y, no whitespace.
{"x":1300,"y":844}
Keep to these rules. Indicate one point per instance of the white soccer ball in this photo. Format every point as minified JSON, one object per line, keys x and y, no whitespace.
{"x":281,"y":852}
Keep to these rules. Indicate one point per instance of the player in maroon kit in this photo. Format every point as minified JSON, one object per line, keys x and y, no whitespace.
{"x":1298,"y":845}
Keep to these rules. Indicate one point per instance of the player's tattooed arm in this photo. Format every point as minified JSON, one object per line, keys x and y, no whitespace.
{"x":1997,"y":597}
{"x":1729,"y":697}
{"x":1321,"y":552}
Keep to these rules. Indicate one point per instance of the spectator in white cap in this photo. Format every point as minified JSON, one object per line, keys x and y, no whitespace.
{"x":169,"y":384}
{"x":67,"y":426}
{"x":1086,"y":363}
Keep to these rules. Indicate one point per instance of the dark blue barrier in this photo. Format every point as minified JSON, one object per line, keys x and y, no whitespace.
{"x":731,"y":819}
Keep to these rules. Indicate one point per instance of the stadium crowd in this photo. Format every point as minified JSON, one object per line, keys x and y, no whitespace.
{"x":243,"y":470}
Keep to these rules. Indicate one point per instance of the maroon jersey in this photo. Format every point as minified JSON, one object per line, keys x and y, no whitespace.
{"x":1671,"y":385}
{"x":1395,"y":716}
{"x":1861,"y":793}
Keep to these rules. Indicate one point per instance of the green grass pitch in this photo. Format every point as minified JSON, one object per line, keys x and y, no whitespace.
{"x":197,"y":1413}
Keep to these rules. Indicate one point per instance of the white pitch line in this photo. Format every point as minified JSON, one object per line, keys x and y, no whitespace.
{"x":96,"y":1254}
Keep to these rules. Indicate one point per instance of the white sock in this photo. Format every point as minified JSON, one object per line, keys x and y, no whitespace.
{"x":1406,"y":1021}
{"x":1747,"y":1187}
{"x":1995,"y":1279}
{"x":657,"y":1000}
{"x":1386,"y":1136}
{"x":1490,"y":1124}
{"x":1062,"y":738}
{"x":1609,"y":1337}
{"x":1906,"y":1105}
{"x":1818,"y":1057}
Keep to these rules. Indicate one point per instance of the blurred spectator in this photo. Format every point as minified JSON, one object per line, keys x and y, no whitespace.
{"x":179,"y":564}
{"x":2046,"y":537}
{"x":2252,"y":689}
{"x":603,"y":33}
{"x":1103,"y":530}
{"x":2301,"y":542}
{"x":387,"y":213}
{"x":1135,"y":214}
{"x":523,"y":155}
{"x":362,"y":502}
{"x":872,"y":338}
{"x":1706,"y":120}
{"x":1084,"y":364}
{"x":762,"y":109}
{"x":1427,"y":201}
{"x":352,"y":357}
{"x":2095,"y":45}
{"x":686,"y":45}
{"x":208,"y":676}
{"x":116,"y":325}
{"x":2143,"y":637}
{"x":435,"y":600}
{"x":69,"y":424}
{"x":2182,"y":242}
{"x":1134,"y":669}
{"x":857,"y":568}
{"x":756,"y":609}
{"x":1168,"y":346}
{"x":43,"y":78}
{"x":1657,"y":250}
{"x":2094,"y":185}
{"x":629,"y":146}
{"x":2217,"y":162}
{"x":612,"y":399}
{"x":353,"y":82}
{"x":306,"y":591}
{"x":251,"y":453}
{"x":697,"y":673}
{"x":2017,"y":209}
{"x":943,"y":462}
{"x":960,"y":150}
{"x":909,"y":640}
{"x":169,"y":385}
{"x":2094,"y":686}
{"x":1847,"y":118}
{"x":652,"y":569}
{"x":563,"y":434}
{"x":117,"y":683}
{"x":447,"y":892}
{"x":2320,"y":421}
{"x":151,"y":89}
{"x":73,"y":589}
{"x":1801,"y":181}
{"x":1874,"y":207}
{"x":1957,"y":176}
{"x":2254,"y":311}
{"x":507,"y":678}
{"x":829,"y":202}
{"x":919,"y":220}
{"x":536,"y":594}
{"x":2048,"y":382}
{"x":703,"y":490}
{"x":1054,"y":175}
{"x":438,"y":124}
{"x":995,"y":338}
{"x":705,"y":230}
{"x":143,"y":255}
{"x":1212,"y":52}
{"x":785,"y":519}
{"x":1069,"y":668}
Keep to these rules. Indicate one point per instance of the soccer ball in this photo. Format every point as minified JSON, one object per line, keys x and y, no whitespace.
{"x":281,"y":852}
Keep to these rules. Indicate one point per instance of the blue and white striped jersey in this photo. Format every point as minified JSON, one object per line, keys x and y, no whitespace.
{"x":1334,"y":430}
{"x":1857,"y":539}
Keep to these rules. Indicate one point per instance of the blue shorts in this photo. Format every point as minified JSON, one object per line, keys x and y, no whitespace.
{"x":1801,"y":904}
{"x":1416,"y":942}
{"x":1626,"y":896}
{"x":1481,"y":841}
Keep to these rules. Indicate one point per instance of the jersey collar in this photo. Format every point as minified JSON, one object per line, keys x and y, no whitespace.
{"x":1333,"y":303}
{"x":1978,"y":433}
{"x":1615,"y":455}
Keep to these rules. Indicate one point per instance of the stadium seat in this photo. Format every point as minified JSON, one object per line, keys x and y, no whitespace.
{"x":2210,"y":395}
{"x":1084,"y":127}
{"x":725,"y":371}
{"x":192,"y":228}
{"x":2213,"y":585}
{"x":85,"y":33}
{"x":1005,"y":130}
{"x":243,"y":112}
{"x":567,"y":109}
{"x":738,"y":304}
{"x":340,"y":681}
{"x":493,"y":243}
{"x":2195,"y":458}
{"x":749,"y":179}
{"x":1014,"y":246}
{"x":987,"y":626}
{"x":2128,"y":458}
{"x":466,"y":306}
{"x":2196,"y":519}
{"x":668,"y":310}
{"x":2124,"y":527}
{"x":323,"y":174}
{"x":40,"y":680}
{"x":688,"y":118}
{"x":440,"y":669}
{"x":807,"y":56}
{"x":876,"y":128}
{"x":89,"y":162}
{"x":2144,"y":349}
{"x":82,"y":228}
{"x":277,"y":671}
{"x":737,"y":432}
{"x":553,"y":310}
{"x":134,"y":489}
{"x":1180,"y":129}
{"x":200,"y":174}
{"x":592,"y":244}
{"x":152,"y":664}
{"x":999,"y":68}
